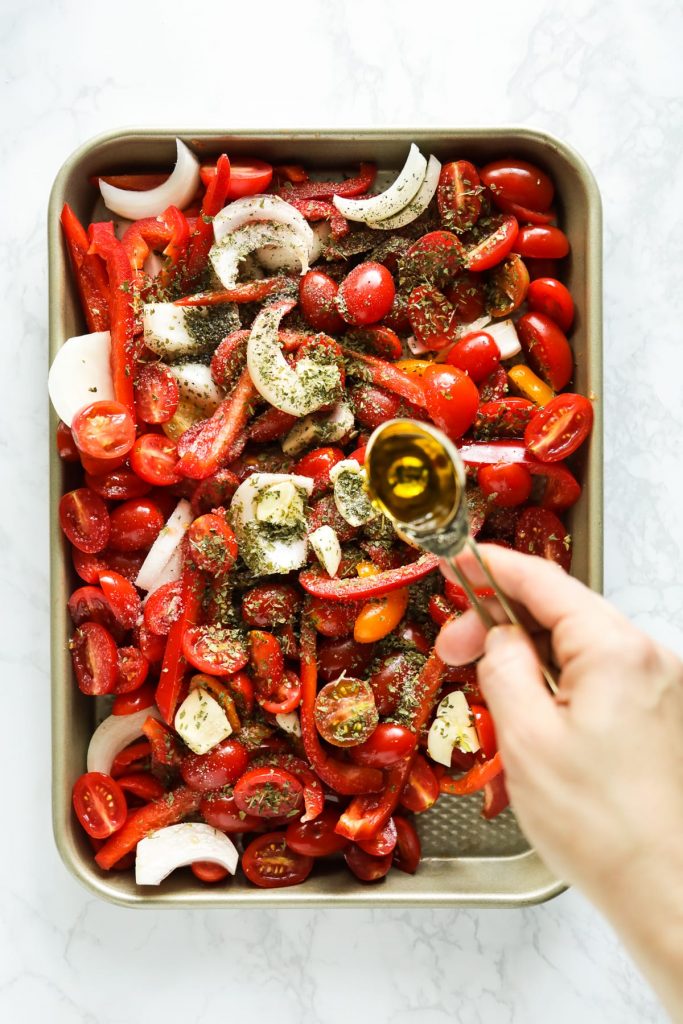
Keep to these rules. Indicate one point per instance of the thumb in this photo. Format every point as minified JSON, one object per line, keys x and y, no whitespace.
{"x":511,"y":681}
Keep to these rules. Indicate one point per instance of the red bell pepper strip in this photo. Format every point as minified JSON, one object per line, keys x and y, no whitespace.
{"x":247,"y":291}
{"x":270,"y":425}
{"x":291,"y":172}
{"x":496,"y":797}
{"x":138,"y":751}
{"x":171,"y":809}
{"x":321,"y":209}
{"x":89,"y":271}
{"x":562,"y":489}
{"x":168,"y":232}
{"x":124,"y":349}
{"x":131,"y":182}
{"x":174,"y":664}
{"x":386,"y":375}
{"x":326,"y":189}
{"x":205,"y":451}
{"x":317,"y":583}
{"x":203,"y":238}
{"x":475,"y":779}
{"x":342,"y":776}
{"x":163,"y":742}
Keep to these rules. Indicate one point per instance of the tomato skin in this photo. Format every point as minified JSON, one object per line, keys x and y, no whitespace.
{"x":156,"y":393}
{"x":506,"y":484}
{"x":163,"y":607}
{"x":386,"y":681}
{"x":559,"y":428}
{"x":152,"y":646}
{"x":546,"y":349}
{"x":542,"y":241}
{"x":93,"y":655}
{"x":99,"y":804}
{"x":366,"y":867}
{"x":343,"y":654}
{"x":421,"y":790}
{"x":248,"y":178}
{"x":495,"y":387}
{"x":269,"y":863}
{"x":142,"y":785}
{"x":317,"y":464}
{"x":214,"y":650}
{"x":133,"y":667}
{"x":386,"y":746}
{"x":130,"y":703}
{"x":452,"y":399}
{"x":67,"y":448}
{"x":380,"y":341}
{"x":476,"y":354}
{"x":435,"y":258}
{"x":508,"y":286}
{"x":122,"y":596}
{"x":431,"y":317}
{"x":332,"y":618}
{"x":118,"y":485}
{"x":267,"y":660}
{"x":89,"y":604}
{"x":207,"y":871}
{"x":270,"y":604}
{"x":540,"y":532}
{"x":345,"y":712}
{"x":84,"y":520}
{"x":495,"y":245}
{"x":549,"y":296}
{"x":220,"y":810}
{"x":222,"y":766}
{"x":366,"y":294}
{"x":103,"y":430}
{"x":135,"y":525}
{"x":316,"y":838}
{"x":317,"y":300}
{"x":503,"y":418}
{"x":467,"y":294}
{"x":213,"y":544}
{"x":284,"y":697}
{"x":517,"y":181}
{"x":408,"y":851}
{"x":154,"y":458}
{"x":458,"y":195}
{"x":268,"y":792}
{"x":382,"y":843}
{"x":373,"y":405}
{"x":214,"y":491}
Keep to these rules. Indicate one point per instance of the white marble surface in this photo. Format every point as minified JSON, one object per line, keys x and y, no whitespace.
{"x":607,"y":77}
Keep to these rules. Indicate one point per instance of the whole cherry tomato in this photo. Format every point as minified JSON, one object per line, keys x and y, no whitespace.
{"x":135,"y":525}
{"x":452,"y":399}
{"x":507,"y":484}
{"x":122,"y":596}
{"x":222,"y":766}
{"x":549,"y":296}
{"x":366,"y":867}
{"x":317,"y":301}
{"x":408,"y":849}
{"x":385,"y":747}
{"x":366,"y":294}
{"x":559,"y":428}
{"x":382,"y":843}
{"x":103,"y":430}
{"x":219,"y":809}
{"x":387,"y":680}
{"x":546,"y":348}
{"x":131,"y":703}
{"x":207,"y":871}
{"x":332,"y":618}
{"x":317,"y":464}
{"x":66,"y":446}
{"x":99,"y":804}
{"x":163,"y":608}
{"x":503,"y":418}
{"x":476,"y":354}
{"x":542,"y":241}
{"x":343,"y":654}
{"x":518,"y":182}
{"x":373,"y":405}
{"x":118,"y":485}
{"x":316,"y":838}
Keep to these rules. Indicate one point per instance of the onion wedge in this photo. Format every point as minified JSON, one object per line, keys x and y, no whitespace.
{"x":394,"y":199}
{"x":165,"y":546}
{"x":319,"y":429}
{"x":176,"y":846}
{"x":196,"y":385}
{"x":226,"y":255}
{"x":417,"y":205}
{"x":255,"y":209}
{"x":177,"y":190}
{"x":81,"y":374}
{"x":260,"y":547}
{"x":113,"y":734}
{"x":504,"y":333}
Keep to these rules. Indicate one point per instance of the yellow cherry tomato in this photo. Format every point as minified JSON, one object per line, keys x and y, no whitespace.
{"x":366,"y":569}
{"x":530,"y":385}
{"x":414,"y":367}
{"x":378,"y":618}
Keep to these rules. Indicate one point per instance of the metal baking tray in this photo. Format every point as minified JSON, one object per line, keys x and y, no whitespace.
{"x":467,"y":860}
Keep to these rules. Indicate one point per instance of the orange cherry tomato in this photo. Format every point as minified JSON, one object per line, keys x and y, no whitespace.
{"x":377,"y":619}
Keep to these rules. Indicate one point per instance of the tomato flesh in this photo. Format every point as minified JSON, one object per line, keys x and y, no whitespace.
{"x":540,"y":532}
{"x":93,"y":655}
{"x":269,"y":863}
{"x":345,"y":712}
{"x":99,"y":804}
{"x":559,"y":428}
{"x":103,"y":430}
{"x":215,"y":650}
{"x":156,"y":394}
{"x":154,"y":458}
{"x":84,"y":520}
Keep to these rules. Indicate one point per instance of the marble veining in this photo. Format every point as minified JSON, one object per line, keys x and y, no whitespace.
{"x":605,"y":76}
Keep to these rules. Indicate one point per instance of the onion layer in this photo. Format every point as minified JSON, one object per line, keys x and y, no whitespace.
{"x":225,"y":256}
{"x":394,"y":199}
{"x":177,"y":190}
{"x":113,"y":734}
{"x":176,"y":846}
{"x":417,"y":205}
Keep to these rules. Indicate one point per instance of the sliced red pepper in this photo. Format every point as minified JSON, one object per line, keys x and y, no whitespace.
{"x":270,"y":425}
{"x":131,"y":182}
{"x":202,"y":237}
{"x":348,"y":779}
{"x":142,"y":785}
{"x":172,"y":808}
{"x":326,"y":189}
{"x":389,"y":376}
{"x":89,"y":271}
{"x":163,"y":742}
{"x":247,"y":291}
{"x":203,"y":452}
{"x":316,"y":582}
{"x":124,"y":349}
{"x":291,"y":172}
{"x":174,"y":664}
{"x":475,"y":779}
{"x":136,"y":752}
{"x":321,"y":209}
{"x":169,"y":233}
{"x":496,"y":797}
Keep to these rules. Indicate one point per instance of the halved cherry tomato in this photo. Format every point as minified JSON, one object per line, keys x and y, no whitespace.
{"x":213,"y":492}
{"x":270,"y":604}
{"x":154,"y":458}
{"x":163,"y":607}
{"x":506,"y":484}
{"x":317,"y":301}
{"x":213,"y":544}
{"x":93,"y":654}
{"x":268,"y":862}
{"x":316,"y":838}
{"x":459,"y":195}
{"x":332,"y":618}
{"x":517,"y":181}
{"x":494,"y":387}
{"x":219,"y":809}
{"x":382,"y":843}
{"x":103,"y":430}
{"x":467,"y":295}
{"x":137,"y":754}
{"x":452,"y":399}
{"x":508,"y":286}
{"x":122,"y":596}
{"x":431,"y":316}
{"x":89,"y":604}
{"x":549,"y":296}
{"x":343,"y":654}
{"x":421,"y":790}
{"x":222,"y":766}
{"x":156,"y":393}
{"x":546,"y":348}
{"x":540,"y":532}
{"x":131,"y":703}
{"x":66,"y":446}
{"x":248,"y":177}
{"x":84,"y":519}
{"x":495,"y":238}
{"x":118,"y":485}
{"x":135,"y":525}
{"x":374,"y":406}
{"x":133,"y":668}
{"x":207,"y":871}
{"x":379,"y":617}
{"x":476,"y":354}
{"x":317,"y":464}
{"x":366,"y":867}
{"x":284,"y":697}
{"x":215,"y":650}
{"x":435,"y":258}
{"x":385,"y":747}
{"x":268,"y":792}
{"x":366,"y":294}
{"x":345,"y":712}
{"x":151,"y":645}
{"x":542,"y":241}
{"x":99,"y":804}
{"x":559,"y":428}
{"x":408,"y":851}
{"x":504,"y":418}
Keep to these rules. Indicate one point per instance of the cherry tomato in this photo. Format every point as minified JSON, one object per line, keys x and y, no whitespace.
{"x":213,"y":492}
{"x":131,"y":703}
{"x":317,"y":464}
{"x":379,"y":617}
{"x":410,"y":633}
{"x":132,"y":667}
{"x":268,"y":792}
{"x":270,"y":604}
{"x":324,"y":512}
{"x":215,"y":650}
{"x":316,"y":838}
{"x":93,"y":654}
{"x":284,"y":697}
{"x":366,"y":294}
{"x":459,"y":195}
{"x":118,"y":485}
{"x":99,"y":804}
{"x":332,"y":618}
{"x":98,"y":467}
{"x":317,"y":301}
{"x":495,"y":238}
{"x":366,"y":867}
{"x":452,"y":399}
{"x":222,"y":766}
{"x":494,"y":387}
{"x":84,"y":519}
{"x":374,"y":406}
{"x":269,"y":863}
{"x":213,"y":544}
{"x":542,"y":241}
{"x":343,"y":655}
{"x":549,"y":296}
{"x":122,"y":596}
{"x":163,"y":608}
{"x":431,"y":316}
{"x":476,"y":354}
{"x":486,"y":733}
{"x":151,"y":645}
{"x":559,"y":428}
{"x":345,"y":712}
{"x":135,"y":525}
{"x":103,"y":430}
{"x":380,"y":341}
{"x":504,"y":418}
{"x":248,"y":177}
{"x":507,"y":484}
{"x":156,"y":393}
{"x":408,"y":849}
{"x":385,"y":747}
{"x":66,"y":446}
{"x":517,"y":181}
{"x":220,"y":810}
{"x":467,"y":294}
{"x":207,"y":871}
{"x":540,"y":532}
{"x":421,"y":791}
{"x":508,"y":286}
{"x":154,"y":458}
{"x":440,"y":609}
{"x":387,"y":679}
{"x":435,"y":258}
{"x":135,"y":756}
{"x":89,"y":604}
{"x":382,"y":842}
{"x":541,"y":268}
{"x":546,"y":348}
